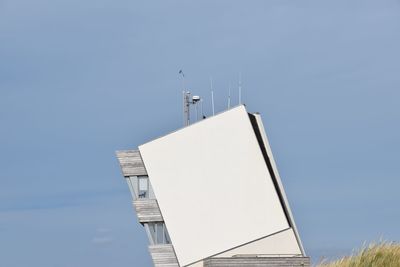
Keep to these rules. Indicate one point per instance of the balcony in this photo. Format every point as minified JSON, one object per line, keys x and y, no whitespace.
{"x":131,"y":163}
{"x":147,"y":210}
{"x":163,"y":256}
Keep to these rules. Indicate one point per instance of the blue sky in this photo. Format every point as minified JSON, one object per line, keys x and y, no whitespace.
{"x":81,"y":79}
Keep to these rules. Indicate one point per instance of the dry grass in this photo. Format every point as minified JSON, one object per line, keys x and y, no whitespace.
{"x":382,"y":254}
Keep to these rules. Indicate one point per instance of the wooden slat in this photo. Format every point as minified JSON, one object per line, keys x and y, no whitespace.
{"x":258,"y":262}
{"x":147,"y":210}
{"x":131,"y":163}
{"x":163,"y":255}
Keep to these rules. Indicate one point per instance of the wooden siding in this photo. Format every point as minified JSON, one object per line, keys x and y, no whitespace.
{"x":131,"y":163}
{"x":147,"y":210}
{"x":258,"y":262}
{"x":163,"y":256}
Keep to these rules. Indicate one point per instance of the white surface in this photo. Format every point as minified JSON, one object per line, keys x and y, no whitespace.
{"x":281,"y":244}
{"x":213,"y":186}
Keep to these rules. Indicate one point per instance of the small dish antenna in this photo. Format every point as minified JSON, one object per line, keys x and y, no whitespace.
{"x":195,"y":99}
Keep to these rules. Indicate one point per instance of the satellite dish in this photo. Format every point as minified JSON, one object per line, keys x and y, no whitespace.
{"x":196,"y":98}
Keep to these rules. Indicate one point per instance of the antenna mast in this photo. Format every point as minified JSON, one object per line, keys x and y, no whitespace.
{"x":186,"y":101}
{"x":229,"y":96}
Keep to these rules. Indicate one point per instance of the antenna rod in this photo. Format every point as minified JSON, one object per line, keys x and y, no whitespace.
{"x":183,"y":97}
{"x":212,"y":97}
{"x":229,"y":96}
{"x":201,"y":109}
{"x":184,"y":107}
{"x":187,"y":108}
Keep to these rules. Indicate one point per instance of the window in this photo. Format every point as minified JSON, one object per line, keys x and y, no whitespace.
{"x":140,"y":187}
{"x":158,"y":233}
{"x":152,"y":232}
{"x":143,"y":184}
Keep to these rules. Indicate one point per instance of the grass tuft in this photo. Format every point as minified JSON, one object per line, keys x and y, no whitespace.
{"x":381,"y":254}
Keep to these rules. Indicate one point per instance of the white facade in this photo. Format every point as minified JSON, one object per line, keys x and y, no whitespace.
{"x":218,"y":190}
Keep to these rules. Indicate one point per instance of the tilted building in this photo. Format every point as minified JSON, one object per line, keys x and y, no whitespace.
{"x":209,"y":195}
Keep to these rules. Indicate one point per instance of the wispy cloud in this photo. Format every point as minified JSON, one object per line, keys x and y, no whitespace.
{"x":103,"y":236}
{"x":103,"y":230}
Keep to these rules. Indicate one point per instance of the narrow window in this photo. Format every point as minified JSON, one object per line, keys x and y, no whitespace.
{"x":143,"y":184}
{"x":152,"y":229}
{"x":160,"y":233}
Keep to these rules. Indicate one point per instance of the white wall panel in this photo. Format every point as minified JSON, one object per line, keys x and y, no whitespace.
{"x":281,"y":244}
{"x":213,"y":186}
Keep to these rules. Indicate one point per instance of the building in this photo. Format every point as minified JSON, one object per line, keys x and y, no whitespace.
{"x":210,"y":195}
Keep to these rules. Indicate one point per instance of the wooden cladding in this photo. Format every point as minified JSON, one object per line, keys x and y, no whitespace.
{"x":131,"y":163}
{"x":163,"y":256}
{"x":258,"y":262}
{"x":147,"y":210}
